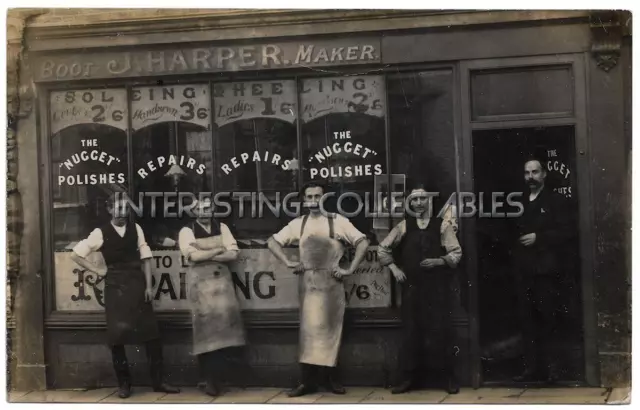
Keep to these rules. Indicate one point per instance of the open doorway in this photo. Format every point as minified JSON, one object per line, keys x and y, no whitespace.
{"x":499,"y":157}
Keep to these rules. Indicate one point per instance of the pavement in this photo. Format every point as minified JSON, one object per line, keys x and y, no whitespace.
{"x":366,"y":395}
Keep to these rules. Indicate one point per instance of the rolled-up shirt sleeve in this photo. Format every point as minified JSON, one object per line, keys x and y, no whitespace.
{"x":347,"y":232}
{"x":92,"y":243}
{"x":450,"y":217}
{"x":385,"y":248}
{"x":228,"y":241}
{"x":186,"y":239}
{"x":450,"y":243}
{"x":143,"y":247}
{"x":290,"y":234}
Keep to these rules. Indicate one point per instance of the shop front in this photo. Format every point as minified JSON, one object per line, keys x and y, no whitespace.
{"x":252,"y":120}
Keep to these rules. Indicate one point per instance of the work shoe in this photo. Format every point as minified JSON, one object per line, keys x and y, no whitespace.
{"x":211,"y":389}
{"x":166,"y":388}
{"x":403,"y":387}
{"x":301,"y":390}
{"x":335,"y":387}
{"x":124,"y":391}
{"x":452,"y":386}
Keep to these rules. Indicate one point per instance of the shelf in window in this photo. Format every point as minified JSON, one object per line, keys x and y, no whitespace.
{"x":64,"y":205}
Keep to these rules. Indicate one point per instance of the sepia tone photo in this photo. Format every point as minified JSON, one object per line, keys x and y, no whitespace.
{"x":318,"y":206}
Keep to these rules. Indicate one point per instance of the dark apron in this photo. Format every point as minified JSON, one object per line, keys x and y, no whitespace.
{"x":130,"y":319}
{"x":426,"y":304}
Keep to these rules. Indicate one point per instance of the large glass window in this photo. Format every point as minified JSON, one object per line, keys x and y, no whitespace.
{"x":421,"y":128}
{"x":171,"y":153}
{"x":237,"y":139}
{"x":343,"y":139}
{"x":256,"y":142}
{"x":88,"y":159}
{"x":88,"y":150}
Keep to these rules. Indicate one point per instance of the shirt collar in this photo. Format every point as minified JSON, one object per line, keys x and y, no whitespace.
{"x":207,"y":229}
{"x":118,"y":228}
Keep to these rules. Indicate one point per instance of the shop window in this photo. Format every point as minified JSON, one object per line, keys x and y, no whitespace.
{"x":171,"y":143}
{"x":88,"y":158}
{"x":343,"y":140}
{"x":251,"y":145}
{"x":255,"y":151}
{"x":88,"y":149}
{"x":528,"y":92}
{"x":421,"y":128}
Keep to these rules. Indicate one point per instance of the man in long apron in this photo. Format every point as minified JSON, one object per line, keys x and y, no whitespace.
{"x":322,"y":305}
{"x":428,"y":251}
{"x":542,"y":231}
{"x":218,"y":331}
{"x":128,"y":292}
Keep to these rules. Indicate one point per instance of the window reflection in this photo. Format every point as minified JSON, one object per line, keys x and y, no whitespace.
{"x":421,"y":127}
{"x":256,"y":150}
{"x":82,"y":182}
{"x":343,"y":140}
{"x":169,"y":158}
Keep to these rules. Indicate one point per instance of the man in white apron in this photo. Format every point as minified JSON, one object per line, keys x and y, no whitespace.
{"x":322,"y":300}
{"x":128,"y":292}
{"x":218,"y":332}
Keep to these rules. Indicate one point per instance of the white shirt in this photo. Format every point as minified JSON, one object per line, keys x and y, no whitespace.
{"x":448,"y":240}
{"x":186,"y":238}
{"x":94,"y":242}
{"x":342,"y":229}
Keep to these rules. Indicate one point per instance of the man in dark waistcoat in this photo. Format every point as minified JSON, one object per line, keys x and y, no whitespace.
{"x":128,"y":292}
{"x":427,"y":250}
{"x":542,"y":231}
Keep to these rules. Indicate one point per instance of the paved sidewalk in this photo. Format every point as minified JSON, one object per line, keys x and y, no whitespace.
{"x":498,"y":395}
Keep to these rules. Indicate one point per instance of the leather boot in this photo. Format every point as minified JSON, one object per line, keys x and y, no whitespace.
{"x":330,"y":381}
{"x":121,"y":367}
{"x":156,"y":369}
{"x":212,"y":388}
{"x":452,"y":385}
{"x":309,"y":383}
{"x":302,"y":390}
{"x":124,"y":390}
{"x":403,"y":387}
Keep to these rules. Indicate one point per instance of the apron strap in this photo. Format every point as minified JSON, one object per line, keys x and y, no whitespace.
{"x":304,"y":222}
{"x":330,"y":217}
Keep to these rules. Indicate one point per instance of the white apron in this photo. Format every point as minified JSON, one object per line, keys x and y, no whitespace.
{"x":322,"y":303}
{"x":215,"y":311}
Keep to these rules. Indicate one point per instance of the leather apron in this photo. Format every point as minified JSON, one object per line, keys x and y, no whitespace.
{"x":426,"y":301}
{"x":215,"y":311}
{"x":130,"y":318}
{"x":322,"y":299}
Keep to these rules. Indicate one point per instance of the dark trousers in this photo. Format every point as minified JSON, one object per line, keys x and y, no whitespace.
{"x":314,"y":375}
{"x":539,"y":299}
{"x":218,"y":365}
{"x":427,"y":329}
{"x":153,"y":350}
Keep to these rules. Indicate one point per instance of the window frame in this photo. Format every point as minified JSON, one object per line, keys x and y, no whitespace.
{"x":268,"y":318}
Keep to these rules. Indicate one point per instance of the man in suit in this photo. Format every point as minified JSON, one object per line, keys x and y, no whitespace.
{"x":542,"y":231}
